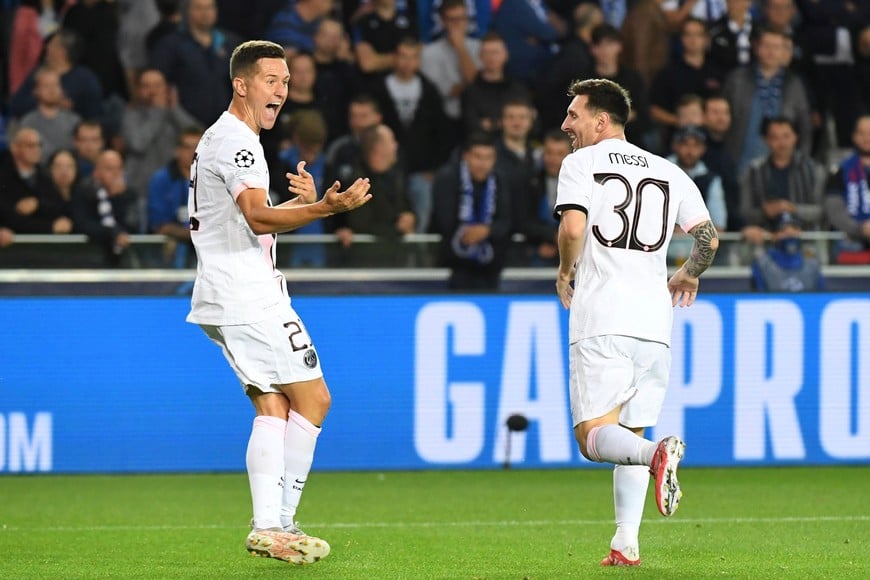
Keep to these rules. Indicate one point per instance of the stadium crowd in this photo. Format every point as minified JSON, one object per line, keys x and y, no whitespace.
{"x":451,"y":107}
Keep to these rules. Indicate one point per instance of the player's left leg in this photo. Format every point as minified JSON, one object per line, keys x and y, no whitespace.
{"x":309,"y":403}
{"x":630,"y":484}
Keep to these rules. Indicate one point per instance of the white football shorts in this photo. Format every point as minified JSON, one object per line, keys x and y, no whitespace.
{"x":611,"y":370}
{"x":275,"y":351}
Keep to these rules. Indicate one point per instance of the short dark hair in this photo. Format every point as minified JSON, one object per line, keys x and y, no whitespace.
{"x":604,"y":32}
{"x":557,"y":135}
{"x":450,"y":4}
{"x":479,"y":138}
{"x":604,"y":95}
{"x":767,"y":122}
{"x":244,"y":60}
{"x":189,"y":131}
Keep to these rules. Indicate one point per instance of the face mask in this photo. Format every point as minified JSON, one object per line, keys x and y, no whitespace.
{"x":789,"y":245}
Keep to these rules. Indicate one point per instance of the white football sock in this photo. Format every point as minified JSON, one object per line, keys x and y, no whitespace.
{"x":299,"y":442}
{"x":630,"y":483}
{"x":265,"y":463}
{"x":616,"y":444}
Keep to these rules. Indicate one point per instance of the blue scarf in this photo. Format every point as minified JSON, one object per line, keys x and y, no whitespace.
{"x":856,"y":189}
{"x":769,"y":92}
{"x":471,"y":213}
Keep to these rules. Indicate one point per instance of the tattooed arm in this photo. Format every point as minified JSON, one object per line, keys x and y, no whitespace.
{"x":706,"y":244}
{"x":683,"y":285}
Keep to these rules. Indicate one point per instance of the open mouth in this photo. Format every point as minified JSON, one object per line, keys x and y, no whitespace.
{"x":273,"y":107}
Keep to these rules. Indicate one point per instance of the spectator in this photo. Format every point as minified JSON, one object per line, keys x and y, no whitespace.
{"x":862,"y":67}
{"x":167,"y":199}
{"x":412,"y":107}
{"x":830,"y":26}
{"x":343,"y":154}
{"x":847,"y":199}
{"x":530,"y":31}
{"x":473,"y":216}
{"x":784,"y":267}
{"x":307,"y":132}
{"x":29,"y":202}
{"x":336,"y":76}
{"x":479,"y":12}
{"x":646,"y":45}
{"x":32,"y":21}
{"x":517,"y":157}
{"x":388,"y":215}
{"x":717,"y":121}
{"x":784,"y":181}
{"x":170,"y":21}
{"x":135,"y":21}
{"x":105,"y":210}
{"x":606,"y":48}
{"x":250,"y":18}
{"x":538,"y":225}
{"x":80,"y":85}
{"x":376,"y":36}
{"x":678,"y":12}
{"x":691,"y":73}
{"x":689,"y":145}
{"x":96,"y":23}
{"x":295,"y":25}
{"x":782,"y":15}
{"x":50,"y":119}
{"x":453,"y":61}
{"x":731,"y":37}
{"x":574,"y":61}
{"x":64,"y":175}
{"x":150,"y":129}
{"x":690,"y":110}
{"x":88,"y":143}
{"x":483,"y":99}
{"x":195,"y":59}
{"x":764,"y":89}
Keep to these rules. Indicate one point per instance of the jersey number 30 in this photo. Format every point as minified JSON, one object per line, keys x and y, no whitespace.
{"x":627,"y":236}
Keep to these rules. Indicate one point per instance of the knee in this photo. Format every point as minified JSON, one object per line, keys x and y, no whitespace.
{"x":581,"y":433}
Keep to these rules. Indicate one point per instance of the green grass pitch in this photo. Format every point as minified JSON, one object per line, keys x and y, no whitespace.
{"x":769,"y":523}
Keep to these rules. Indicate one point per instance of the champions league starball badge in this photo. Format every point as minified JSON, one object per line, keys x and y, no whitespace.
{"x":244,"y":158}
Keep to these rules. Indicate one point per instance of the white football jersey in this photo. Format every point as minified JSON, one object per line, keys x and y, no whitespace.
{"x":236,"y":278}
{"x":632,"y":199}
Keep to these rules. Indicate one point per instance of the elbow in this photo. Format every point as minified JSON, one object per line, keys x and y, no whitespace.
{"x":259,"y":228}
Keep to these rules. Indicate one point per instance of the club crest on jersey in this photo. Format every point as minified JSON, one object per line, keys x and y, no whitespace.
{"x":310,"y":358}
{"x":244,"y":158}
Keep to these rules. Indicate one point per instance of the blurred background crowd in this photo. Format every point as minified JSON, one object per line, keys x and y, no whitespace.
{"x":453,"y":109}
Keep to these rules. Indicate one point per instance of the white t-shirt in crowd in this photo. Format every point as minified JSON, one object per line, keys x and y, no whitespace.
{"x":236,"y":278}
{"x":632,"y":199}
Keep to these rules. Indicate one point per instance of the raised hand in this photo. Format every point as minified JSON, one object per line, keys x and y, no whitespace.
{"x":302,"y":184}
{"x":349,"y":199}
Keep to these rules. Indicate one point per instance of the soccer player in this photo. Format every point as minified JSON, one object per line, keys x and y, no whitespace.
{"x":617,"y":206}
{"x":241,"y":302}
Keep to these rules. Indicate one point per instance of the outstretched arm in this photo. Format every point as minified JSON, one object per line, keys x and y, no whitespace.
{"x":683,"y":285}
{"x":265,"y":219}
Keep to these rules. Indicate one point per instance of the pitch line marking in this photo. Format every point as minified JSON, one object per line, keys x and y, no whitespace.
{"x":465,"y":524}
